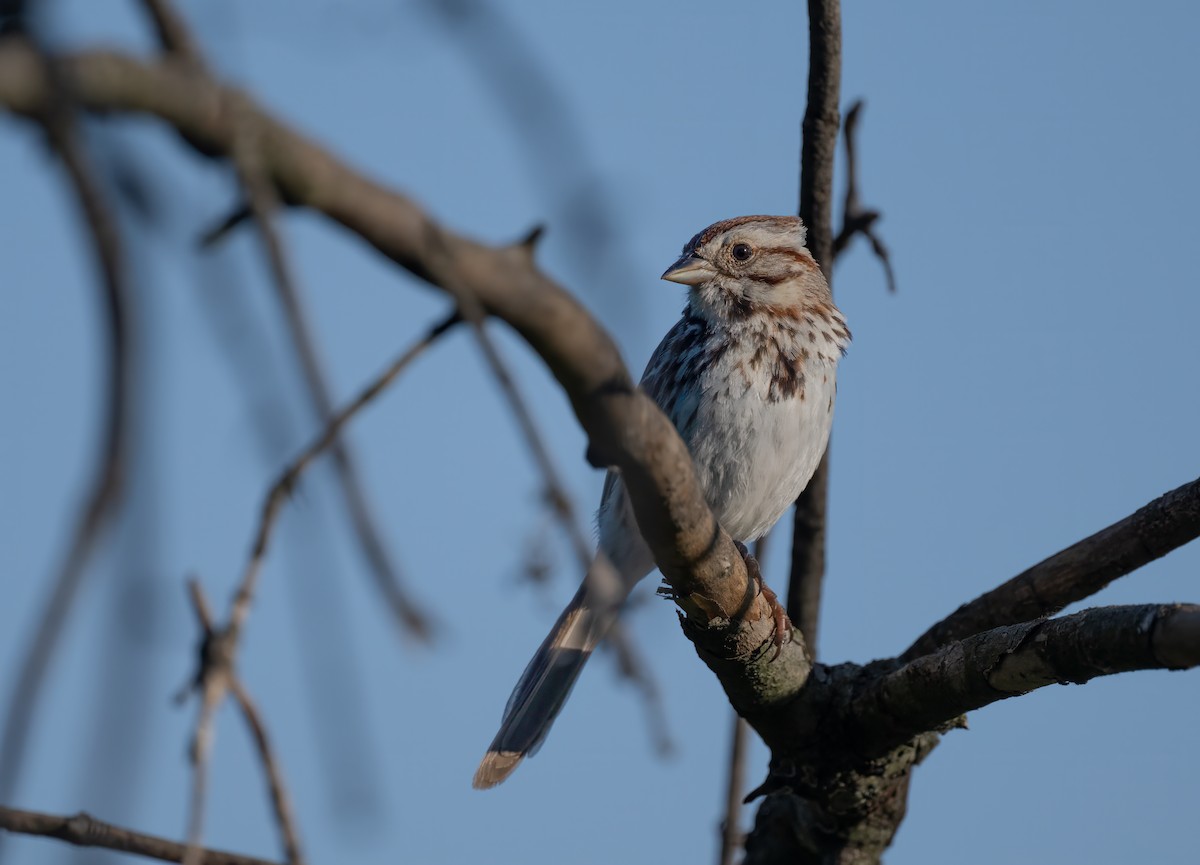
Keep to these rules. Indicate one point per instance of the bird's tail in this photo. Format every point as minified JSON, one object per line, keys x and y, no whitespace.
{"x":547,"y":681}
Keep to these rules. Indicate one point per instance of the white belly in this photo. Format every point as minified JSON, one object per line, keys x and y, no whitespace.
{"x":755,"y":456}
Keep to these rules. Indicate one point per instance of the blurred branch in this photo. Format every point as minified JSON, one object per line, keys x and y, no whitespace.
{"x":84,"y":830}
{"x":857,"y":219}
{"x":1079,"y":571}
{"x":332,"y":676}
{"x":632,"y":666}
{"x":553,"y":144}
{"x":261,"y":203}
{"x":820,"y":134}
{"x":727,"y":613}
{"x":732,"y":836}
{"x":173,"y":33}
{"x":808,"y":554}
{"x":215,"y":677}
{"x":811,"y":723}
{"x":215,"y":674}
{"x":280,"y":800}
{"x":554,"y":490}
{"x":283,"y":486}
{"x":56,"y":116}
{"x":1012,"y":660}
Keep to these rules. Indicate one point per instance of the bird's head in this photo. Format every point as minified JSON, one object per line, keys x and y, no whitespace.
{"x":751,"y":265}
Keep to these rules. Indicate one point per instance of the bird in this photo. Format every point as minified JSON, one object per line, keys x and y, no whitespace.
{"x":748,"y":378}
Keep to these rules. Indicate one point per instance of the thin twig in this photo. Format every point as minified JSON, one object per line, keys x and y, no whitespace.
{"x":633,"y":667}
{"x":562,"y":506}
{"x":214,"y":672}
{"x":731,"y":832}
{"x":554,"y":491}
{"x":283,"y":486}
{"x":84,"y":830}
{"x":624,"y":428}
{"x":212,"y":694}
{"x":553,"y":143}
{"x":857,"y":219}
{"x":173,"y":33}
{"x":215,"y":676}
{"x":262,"y":199}
{"x":105,"y":487}
{"x":280,"y":801}
{"x":1078,"y":572}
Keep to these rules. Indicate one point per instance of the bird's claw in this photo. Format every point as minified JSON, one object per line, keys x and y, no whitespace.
{"x":781,"y":625}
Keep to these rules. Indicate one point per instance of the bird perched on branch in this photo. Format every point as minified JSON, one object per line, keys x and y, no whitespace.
{"x":747,"y":376}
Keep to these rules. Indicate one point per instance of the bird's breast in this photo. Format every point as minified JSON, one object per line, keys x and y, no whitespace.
{"x":757,"y":433}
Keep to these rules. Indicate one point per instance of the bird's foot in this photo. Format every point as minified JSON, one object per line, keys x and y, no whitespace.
{"x":781,"y":625}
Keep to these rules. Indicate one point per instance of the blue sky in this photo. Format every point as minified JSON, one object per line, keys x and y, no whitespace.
{"x":1033,"y":381}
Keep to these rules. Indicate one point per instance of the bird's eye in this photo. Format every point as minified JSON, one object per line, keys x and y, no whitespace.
{"x":742,"y":251}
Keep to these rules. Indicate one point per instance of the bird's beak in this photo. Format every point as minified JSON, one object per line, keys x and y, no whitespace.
{"x":691,"y":269}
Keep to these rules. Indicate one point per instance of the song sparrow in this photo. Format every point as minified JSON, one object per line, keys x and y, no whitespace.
{"x":747,"y":377}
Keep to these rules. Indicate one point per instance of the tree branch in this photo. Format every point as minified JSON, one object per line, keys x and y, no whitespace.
{"x":731,"y":832}
{"x":172,"y":31}
{"x":281,"y":801}
{"x":857,"y":219}
{"x":1077,"y":572}
{"x":84,"y":830}
{"x":1008,"y":661}
{"x":819,"y":144}
{"x":280,"y":490}
{"x":56,"y":115}
{"x":261,"y":204}
{"x":625,"y":429}
{"x":554,"y":492}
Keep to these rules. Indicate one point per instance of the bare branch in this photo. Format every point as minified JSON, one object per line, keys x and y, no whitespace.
{"x":1078,"y":572}
{"x":280,"y":800}
{"x":857,"y":219}
{"x":625,"y":428}
{"x":731,"y":833}
{"x":821,"y":125}
{"x":732,"y":836}
{"x":84,"y":830}
{"x":554,"y":491}
{"x":819,"y":144}
{"x":261,"y":203}
{"x":215,"y":677}
{"x":633,"y":667}
{"x":56,"y":115}
{"x":215,"y":672}
{"x":278,"y":493}
{"x":1012,"y":660}
{"x":172,"y":31}
{"x":807,"y":573}
{"x":554,"y":145}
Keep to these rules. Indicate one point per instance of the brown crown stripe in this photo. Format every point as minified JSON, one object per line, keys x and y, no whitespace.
{"x":719,"y":227}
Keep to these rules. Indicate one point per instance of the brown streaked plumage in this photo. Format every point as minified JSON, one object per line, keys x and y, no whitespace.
{"x":747,"y":376}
